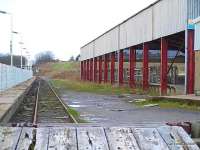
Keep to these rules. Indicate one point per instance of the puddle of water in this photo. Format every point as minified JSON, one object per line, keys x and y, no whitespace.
{"x":77,"y":106}
{"x":76,"y":102}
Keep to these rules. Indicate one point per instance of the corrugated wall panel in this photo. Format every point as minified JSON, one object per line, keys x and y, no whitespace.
{"x":100,"y":46}
{"x":107,"y":43}
{"x":169,"y":17}
{"x":113,"y":39}
{"x":139,"y":28}
{"x":87,"y":51}
{"x":123,"y":36}
{"x":197,"y":36}
{"x":193,"y":9}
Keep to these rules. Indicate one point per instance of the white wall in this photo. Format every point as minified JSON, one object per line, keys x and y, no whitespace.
{"x":11,"y":76}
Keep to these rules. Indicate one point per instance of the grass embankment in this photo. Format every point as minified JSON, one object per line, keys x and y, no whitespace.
{"x":81,"y":86}
{"x":66,"y":75}
{"x":170,"y":104}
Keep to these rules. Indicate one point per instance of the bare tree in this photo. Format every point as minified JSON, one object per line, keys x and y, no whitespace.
{"x":71,"y":58}
{"x":44,"y":57}
{"x":5,"y":59}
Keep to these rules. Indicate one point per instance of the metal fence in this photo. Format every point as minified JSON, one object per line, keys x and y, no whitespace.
{"x":11,"y":76}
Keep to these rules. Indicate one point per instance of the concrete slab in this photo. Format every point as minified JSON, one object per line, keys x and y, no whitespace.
{"x":191,"y":97}
{"x":11,"y":99}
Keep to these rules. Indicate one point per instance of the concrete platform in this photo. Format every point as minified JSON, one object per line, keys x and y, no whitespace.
{"x":191,"y":97}
{"x":11,"y":99}
{"x":96,"y":138}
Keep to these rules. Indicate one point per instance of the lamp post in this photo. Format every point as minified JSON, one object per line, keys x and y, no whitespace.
{"x":21,"y":44}
{"x":11,"y":36}
{"x":21,"y":48}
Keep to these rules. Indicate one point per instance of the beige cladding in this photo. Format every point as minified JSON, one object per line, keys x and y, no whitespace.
{"x":197,"y":70}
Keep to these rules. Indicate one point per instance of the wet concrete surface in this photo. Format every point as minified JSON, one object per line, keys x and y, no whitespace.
{"x":106,"y":109}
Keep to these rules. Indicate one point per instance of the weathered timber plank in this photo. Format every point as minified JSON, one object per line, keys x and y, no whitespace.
{"x":62,"y":139}
{"x":121,"y":138}
{"x":9,"y":137}
{"x":149,"y":139}
{"x":91,"y":138}
{"x":42,"y":138}
{"x":174,"y":138}
{"x":191,"y":145}
{"x":26,"y":141}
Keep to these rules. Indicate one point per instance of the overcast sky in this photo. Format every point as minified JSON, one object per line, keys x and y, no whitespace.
{"x":62,"y":26}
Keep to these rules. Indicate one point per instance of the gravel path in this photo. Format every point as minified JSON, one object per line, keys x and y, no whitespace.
{"x":116,"y":110}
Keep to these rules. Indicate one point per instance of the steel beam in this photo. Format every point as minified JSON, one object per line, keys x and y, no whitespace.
{"x":164,"y":65}
{"x":106,"y":68}
{"x":91,"y":69}
{"x":121,"y":67}
{"x":132,"y":63}
{"x":100,"y":69}
{"x":190,"y":62}
{"x":145,"y":66}
{"x":95,"y":69}
{"x":112,"y":68}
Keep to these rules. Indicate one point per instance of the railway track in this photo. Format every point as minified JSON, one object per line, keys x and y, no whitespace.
{"x":42,"y":105}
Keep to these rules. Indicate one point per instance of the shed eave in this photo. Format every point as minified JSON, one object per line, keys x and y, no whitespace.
{"x":197,"y":20}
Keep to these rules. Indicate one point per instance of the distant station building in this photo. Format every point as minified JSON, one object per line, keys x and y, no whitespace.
{"x":165,"y":28}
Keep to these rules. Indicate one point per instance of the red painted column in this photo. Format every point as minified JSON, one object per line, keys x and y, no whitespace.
{"x":163,"y":69}
{"x":132,"y":63}
{"x":91,"y":69}
{"x":88,"y":71}
{"x":190,"y":63}
{"x":121,"y":67}
{"x":95,"y":69}
{"x":81,"y":70}
{"x":100,"y":69}
{"x":105,"y":68}
{"x":84,"y":70}
{"x":145,"y":66}
{"x":112,"y":68}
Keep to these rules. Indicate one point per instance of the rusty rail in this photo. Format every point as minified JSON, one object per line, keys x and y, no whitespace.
{"x":36,"y":106}
{"x":66,"y":107}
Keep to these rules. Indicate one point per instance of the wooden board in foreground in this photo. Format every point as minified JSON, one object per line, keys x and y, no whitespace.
{"x":95,"y":138}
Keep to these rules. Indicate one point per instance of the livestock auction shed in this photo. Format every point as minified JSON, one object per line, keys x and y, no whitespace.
{"x":127,"y":52}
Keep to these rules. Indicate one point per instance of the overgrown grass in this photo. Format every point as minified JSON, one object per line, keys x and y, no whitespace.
{"x":81,"y":86}
{"x":64,"y":66}
{"x":76,"y":115}
{"x":170,"y":103}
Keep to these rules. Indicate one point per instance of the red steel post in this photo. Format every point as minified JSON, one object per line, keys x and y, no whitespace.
{"x":88,"y":70}
{"x":91,"y":69}
{"x":95,"y":69}
{"x":132,"y":63}
{"x":100,"y":69}
{"x":121,"y":67}
{"x":105,"y":68}
{"x":190,"y":62}
{"x":112,"y":68}
{"x":164,"y":62}
{"x":145,"y":66}
{"x":81,"y":70}
{"x":84,"y":70}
